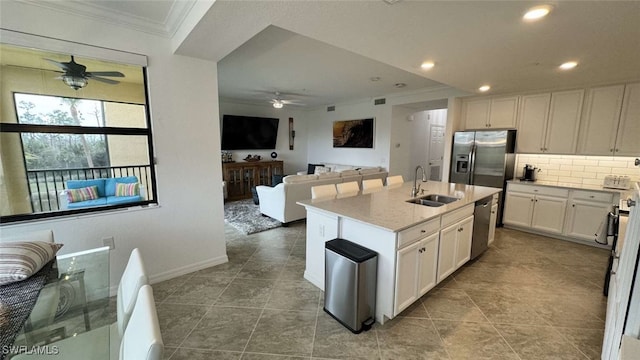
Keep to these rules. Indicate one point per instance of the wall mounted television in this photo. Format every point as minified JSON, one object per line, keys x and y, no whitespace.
{"x":249,"y":133}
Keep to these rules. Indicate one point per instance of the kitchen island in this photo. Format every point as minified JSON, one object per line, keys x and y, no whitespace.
{"x":418,"y":246}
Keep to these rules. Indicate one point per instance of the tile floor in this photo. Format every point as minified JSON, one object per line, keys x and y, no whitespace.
{"x":527,"y":297}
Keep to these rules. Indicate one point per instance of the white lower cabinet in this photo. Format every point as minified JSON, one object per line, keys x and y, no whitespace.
{"x":416,"y":271}
{"x":566,"y":213}
{"x":518,"y":209}
{"x":548,"y":214}
{"x":586,"y":214}
{"x":455,"y":247}
{"x":537,"y":207}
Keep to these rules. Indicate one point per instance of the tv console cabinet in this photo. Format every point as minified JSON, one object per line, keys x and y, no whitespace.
{"x":243,"y":175}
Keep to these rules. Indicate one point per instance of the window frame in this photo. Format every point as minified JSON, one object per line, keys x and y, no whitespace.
{"x":77,"y":129}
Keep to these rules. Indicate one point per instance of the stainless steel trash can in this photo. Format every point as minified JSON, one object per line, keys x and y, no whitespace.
{"x":350,"y":279}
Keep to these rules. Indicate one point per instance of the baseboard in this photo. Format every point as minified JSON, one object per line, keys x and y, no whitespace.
{"x":556,"y":236}
{"x":154,"y":279}
{"x":319,"y":283}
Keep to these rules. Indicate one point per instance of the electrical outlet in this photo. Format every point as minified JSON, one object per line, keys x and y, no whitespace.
{"x":110,"y":242}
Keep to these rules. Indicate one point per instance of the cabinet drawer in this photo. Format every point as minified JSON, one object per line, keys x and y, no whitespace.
{"x":417,"y":232}
{"x":454,"y":216}
{"x":539,"y":190}
{"x":593,"y":196}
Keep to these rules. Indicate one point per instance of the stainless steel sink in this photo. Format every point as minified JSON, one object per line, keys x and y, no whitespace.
{"x":425,"y":202}
{"x":433,"y":200}
{"x":439,"y":198}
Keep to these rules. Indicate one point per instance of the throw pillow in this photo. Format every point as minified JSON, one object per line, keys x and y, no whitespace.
{"x":123,"y":189}
{"x":321,"y":169}
{"x":311,"y":168}
{"x":82,"y":194}
{"x":21,"y":259}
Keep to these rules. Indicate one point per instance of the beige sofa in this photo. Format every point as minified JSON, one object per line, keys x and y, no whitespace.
{"x":279,"y":202}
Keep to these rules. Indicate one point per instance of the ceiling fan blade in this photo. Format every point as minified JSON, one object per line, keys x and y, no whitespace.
{"x":64,"y":66}
{"x":104,"y":73}
{"x":106,"y":81}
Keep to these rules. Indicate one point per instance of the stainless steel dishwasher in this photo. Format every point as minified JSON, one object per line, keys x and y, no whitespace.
{"x":481,"y":225}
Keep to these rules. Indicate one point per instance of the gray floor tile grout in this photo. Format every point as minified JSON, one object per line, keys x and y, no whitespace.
{"x":579,"y":283}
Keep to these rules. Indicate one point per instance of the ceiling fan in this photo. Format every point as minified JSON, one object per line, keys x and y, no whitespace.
{"x":76,"y":75}
{"x":278,"y":102}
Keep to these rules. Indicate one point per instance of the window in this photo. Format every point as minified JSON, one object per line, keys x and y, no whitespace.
{"x":66,"y":150}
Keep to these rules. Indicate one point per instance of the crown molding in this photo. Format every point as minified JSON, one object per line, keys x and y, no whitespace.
{"x":167,"y":28}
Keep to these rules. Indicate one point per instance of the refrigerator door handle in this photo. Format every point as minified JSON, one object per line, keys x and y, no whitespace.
{"x":472,"y":165}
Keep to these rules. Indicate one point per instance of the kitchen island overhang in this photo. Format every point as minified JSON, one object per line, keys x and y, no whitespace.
{"x":385,"y":222}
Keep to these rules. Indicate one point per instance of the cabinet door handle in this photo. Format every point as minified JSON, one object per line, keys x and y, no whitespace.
{"x":610,"y":150}
{"x":423,"y":231}
{"x":573,"y":205}
{"x":532,"y":200}
{"x":536,"y":200}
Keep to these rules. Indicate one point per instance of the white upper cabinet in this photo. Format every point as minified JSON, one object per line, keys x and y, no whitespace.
{"x":503,"y":112}
{"x":564,"y":121}
{"x":494,"y":113}
{"x":600,"y":123}
{"x":628,"y":137}
{"x":475,"y":113}
{"x":532,"y":123}
{"x":548,"y":123}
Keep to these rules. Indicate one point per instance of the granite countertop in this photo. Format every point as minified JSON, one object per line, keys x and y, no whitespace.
{"x":622,"y":192}
{"x":388,"y":209}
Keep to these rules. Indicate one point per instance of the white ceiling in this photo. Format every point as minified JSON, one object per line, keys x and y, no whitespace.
{"x":472,"y":43}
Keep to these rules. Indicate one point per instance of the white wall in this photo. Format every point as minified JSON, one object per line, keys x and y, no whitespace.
{"x":184,"y":232}
{"x":294,"y":160}
{"x":391,"y":128}
{"x":320,"y":135}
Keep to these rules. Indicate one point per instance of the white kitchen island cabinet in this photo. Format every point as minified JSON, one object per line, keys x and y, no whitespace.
{"x":406,"y":236}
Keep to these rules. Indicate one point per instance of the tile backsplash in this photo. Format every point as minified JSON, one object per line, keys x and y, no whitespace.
{"x":576,"y":169}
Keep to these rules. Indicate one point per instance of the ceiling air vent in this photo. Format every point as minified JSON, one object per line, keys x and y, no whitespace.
{"x":379,"y":101}
{"x":331,"y":108}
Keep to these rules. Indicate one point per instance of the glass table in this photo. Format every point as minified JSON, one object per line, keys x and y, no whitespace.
{"x":74,"y":300}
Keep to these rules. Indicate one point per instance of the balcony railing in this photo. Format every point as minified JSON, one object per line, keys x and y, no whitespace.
{"x":46,"y":185}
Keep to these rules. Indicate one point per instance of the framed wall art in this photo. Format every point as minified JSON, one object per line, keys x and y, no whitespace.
{"x":353,"y":133}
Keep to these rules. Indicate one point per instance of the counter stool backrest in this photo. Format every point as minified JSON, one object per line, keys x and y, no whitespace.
{"x":392,"y":180}
{"x":133,"y":278}
{"x":348,"y":187}
{"x":322,"y":191}
{"x":371,"y":184}
{"x":142,"y":339}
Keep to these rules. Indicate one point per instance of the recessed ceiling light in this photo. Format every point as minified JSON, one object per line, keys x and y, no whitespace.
{"x":484,"y":88}
{"x":537,"y":12}
{"x":427,"y":65}
{"x":399,"y":85}
{"x":568,"y":65}
{"x":374,"y":78}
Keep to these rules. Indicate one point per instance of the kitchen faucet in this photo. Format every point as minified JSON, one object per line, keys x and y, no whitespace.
{"x":416,"y":186}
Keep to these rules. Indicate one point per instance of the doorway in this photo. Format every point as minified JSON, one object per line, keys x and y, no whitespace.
{"x":428,"y":141}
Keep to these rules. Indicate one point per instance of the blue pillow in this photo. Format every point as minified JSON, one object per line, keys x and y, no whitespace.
{"x":110,"y":184}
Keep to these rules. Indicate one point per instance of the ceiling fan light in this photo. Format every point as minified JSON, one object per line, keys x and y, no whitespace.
{"x":74,"y":81}
{"x":278,"y":104}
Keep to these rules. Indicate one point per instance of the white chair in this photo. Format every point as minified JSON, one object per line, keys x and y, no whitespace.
{"x":133,"y":278}
{"x":323,"y":191}
{"x":394,"y":180}
{"x":142,"y":339}
{"x":348,"y":187}
{"x":96,"y":342}
{"x":371,"y":185}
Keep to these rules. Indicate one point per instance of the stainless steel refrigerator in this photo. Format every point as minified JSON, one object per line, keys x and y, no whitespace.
{"x":484,"y":158}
